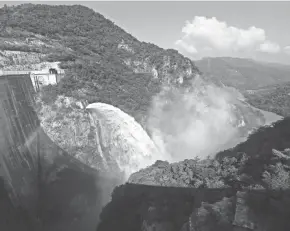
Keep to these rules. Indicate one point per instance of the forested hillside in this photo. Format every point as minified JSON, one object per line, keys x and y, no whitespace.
{"x":243,"y":74}
{"x":274,"y":98}
{"x":100,"y":58}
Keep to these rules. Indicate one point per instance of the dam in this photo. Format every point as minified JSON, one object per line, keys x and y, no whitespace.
{"x":59,"y":193}
{"x":38,"y":78}
{"x":54,"y":190}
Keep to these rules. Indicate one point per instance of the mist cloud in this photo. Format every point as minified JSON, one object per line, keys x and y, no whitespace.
{"x":197,"y":122}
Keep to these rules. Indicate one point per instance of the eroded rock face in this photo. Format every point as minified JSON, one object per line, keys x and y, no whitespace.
{"x":68,"y":124}
{"x":99,"y":135}
{"x":173,"y":69}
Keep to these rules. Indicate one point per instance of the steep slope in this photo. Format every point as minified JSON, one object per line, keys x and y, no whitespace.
{"x":243,"y":74}
{"x":90,"y":46}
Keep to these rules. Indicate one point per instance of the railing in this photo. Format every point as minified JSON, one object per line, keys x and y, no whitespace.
{"x":59,"y":72}
{"x":14,"y":72}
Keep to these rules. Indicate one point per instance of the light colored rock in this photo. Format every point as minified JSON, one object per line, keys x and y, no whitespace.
{"x":125,"y":46}
{"x":102,"y":136}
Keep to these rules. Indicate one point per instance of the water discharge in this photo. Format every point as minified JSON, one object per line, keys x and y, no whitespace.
{"x":123,"y":140}
{"x":183,"y":123}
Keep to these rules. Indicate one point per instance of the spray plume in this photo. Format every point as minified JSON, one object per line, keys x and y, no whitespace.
{"x":193,"y":122}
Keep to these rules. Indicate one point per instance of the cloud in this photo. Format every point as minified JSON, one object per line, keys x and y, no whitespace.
{"x":211,"y":37}
{"x":189,"y":48}
{"x":269,"y":47}
{"x":287,"y":50}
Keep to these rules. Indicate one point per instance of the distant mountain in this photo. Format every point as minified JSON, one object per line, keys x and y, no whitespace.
{"x":275,"y":98}
{"x":243,"y":74}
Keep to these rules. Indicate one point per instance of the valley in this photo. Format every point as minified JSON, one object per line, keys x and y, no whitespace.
{"x":131,"y":136}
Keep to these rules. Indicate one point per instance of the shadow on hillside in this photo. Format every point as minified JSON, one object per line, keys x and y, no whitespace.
{"x":134,"y":207}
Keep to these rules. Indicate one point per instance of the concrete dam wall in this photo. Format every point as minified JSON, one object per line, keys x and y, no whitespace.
{"x":18,"y":123}
{"x":56,"y":191}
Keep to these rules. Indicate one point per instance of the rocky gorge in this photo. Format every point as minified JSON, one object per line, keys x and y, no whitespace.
{"x":96,"y":151}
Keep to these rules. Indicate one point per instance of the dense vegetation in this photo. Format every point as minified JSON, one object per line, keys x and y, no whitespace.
{"x":253,"y":162}
{"x":93,"y":50}
{"x":255,"y":167}
{"x":259,"y":146}
{"x":206,"y":192}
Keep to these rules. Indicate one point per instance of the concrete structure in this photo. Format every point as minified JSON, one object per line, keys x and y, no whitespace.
{"x":45,"y":77}
{"x":39,"y":78}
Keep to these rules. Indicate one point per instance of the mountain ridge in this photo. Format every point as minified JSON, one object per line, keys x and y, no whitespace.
{"x":244,"y":74}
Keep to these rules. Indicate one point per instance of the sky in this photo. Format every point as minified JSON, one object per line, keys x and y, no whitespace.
{"x":257,"y":30}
